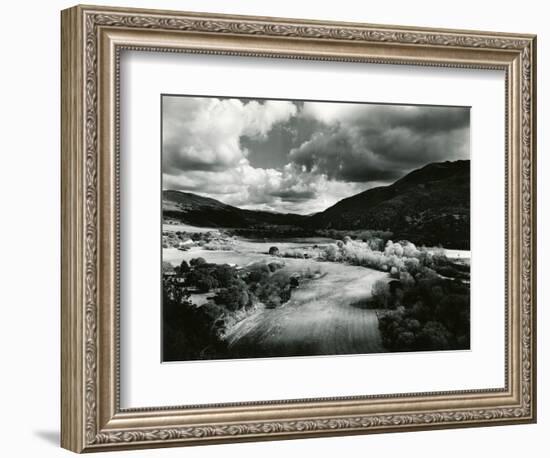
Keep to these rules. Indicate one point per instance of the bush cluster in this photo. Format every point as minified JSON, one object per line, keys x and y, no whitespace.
{"x":211,"y":238}
{"x":269,"y":284}
{"x":426,"y":303}
{"x":220,"y":245}
{"x":377,"y":238}
{"x":190,"y":332}
{"x":423,"y":312}
{"x":207,"y":276}
{"x":395,"y":257}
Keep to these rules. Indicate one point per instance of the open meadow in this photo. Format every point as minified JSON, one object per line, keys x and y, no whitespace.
{"x":322,"y":316}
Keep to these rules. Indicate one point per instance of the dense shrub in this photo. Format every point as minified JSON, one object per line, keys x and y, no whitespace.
{"x":434,"y":336}
{"x":175,"y":238}
{"x":381,"y":294}
{"x":183,"y":267}
{"x":201,"y":280}
{"x":167,"y":268}
{"x":332,"y":253}
{"x":258,"y":272}
{"x":206,"y":276}
{"x":393,"y":249}
{"x":375,"y":244}
{"x":395,"y":257}
{"x":406,"y":279}
{"x":197,"y":262}
{"x":235,"y":297}
{"x":275,"y":290}
{"x":219,"y":245}
{"x":423,"y":312}
{"x":190,"y":332}
{"x":224,"y":274}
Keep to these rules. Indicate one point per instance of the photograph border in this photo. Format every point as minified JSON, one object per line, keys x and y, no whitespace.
{"x":92,"y":40}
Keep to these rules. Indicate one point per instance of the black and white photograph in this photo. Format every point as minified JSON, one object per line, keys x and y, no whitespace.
{"x":313,"y":228}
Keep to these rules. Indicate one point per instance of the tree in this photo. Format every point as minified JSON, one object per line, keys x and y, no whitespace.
{"x":404,"y":341}
{"x":225,"y":275}
{"x":452,"y":311}
{"x":195,"y":262}
{"x":258,"y":272}
{"x":375,"y":244}
{"x":407,"y":280}
{"x":274,"y":251}
{"x":433,"y":336}
{"x":332,"y":252}
{"x":167,"y":268}
{"x":393,"y":248}
{"x":233,"y":298}
{"x":381,"y":293}
{"x":183,"y":268}
{"x":201,"y":279}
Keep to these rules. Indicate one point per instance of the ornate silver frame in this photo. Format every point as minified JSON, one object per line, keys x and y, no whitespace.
{"x":92,"y":38}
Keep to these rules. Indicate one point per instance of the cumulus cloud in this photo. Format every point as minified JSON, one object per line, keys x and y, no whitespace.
{"x":202,"y":133}
{"x":300,"y":157}
{"x":289,"y":190}
{"x":341,"y":155}
{"x":239,"y":185}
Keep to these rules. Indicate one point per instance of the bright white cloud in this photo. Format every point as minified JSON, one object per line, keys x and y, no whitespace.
{"x":353,"y":147}
{"x":290,"y":190}
{"x":204,"y":133}
{"x":332,"y":113}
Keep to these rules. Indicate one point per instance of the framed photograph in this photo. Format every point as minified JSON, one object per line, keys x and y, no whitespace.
{"x":278,"y":228}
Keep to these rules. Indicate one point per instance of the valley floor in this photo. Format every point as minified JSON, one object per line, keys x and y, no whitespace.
{"x":321,"y":317}
{"x":324,"y":315}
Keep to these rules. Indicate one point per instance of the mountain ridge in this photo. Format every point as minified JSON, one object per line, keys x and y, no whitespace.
{"x":429,"y":205}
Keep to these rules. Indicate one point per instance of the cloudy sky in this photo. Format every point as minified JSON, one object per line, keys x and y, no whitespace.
{"x":300,"y":157}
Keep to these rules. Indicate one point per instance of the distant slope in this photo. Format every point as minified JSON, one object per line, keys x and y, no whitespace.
{"x":203,"y":211}
{"x":430,"y":206}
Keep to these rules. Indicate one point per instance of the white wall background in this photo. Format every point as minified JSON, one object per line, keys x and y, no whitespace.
{"x":29,"y":230}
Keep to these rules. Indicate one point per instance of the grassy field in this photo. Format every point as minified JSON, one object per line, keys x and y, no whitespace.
{"x":186,"y":228}
{"x":319,"y":319}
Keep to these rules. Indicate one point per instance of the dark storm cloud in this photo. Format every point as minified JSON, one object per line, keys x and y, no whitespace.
{"x":290,"y":195}
{"x":338,"y":155}
{"x":302,"y":157}
{"x":364,"y":143}
{"x":272,"y":150}
{"x":425,"y":119}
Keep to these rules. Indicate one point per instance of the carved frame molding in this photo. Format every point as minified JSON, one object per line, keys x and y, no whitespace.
{"x":92,"y":39}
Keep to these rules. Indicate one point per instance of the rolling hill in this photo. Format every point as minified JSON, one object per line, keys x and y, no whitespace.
{"x":430,"y":206}
{"x":204,"y":211}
